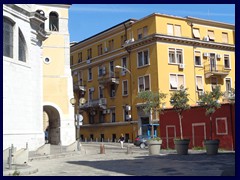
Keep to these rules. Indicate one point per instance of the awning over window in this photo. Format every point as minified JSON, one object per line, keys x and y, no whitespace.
{"x":196,"y":33}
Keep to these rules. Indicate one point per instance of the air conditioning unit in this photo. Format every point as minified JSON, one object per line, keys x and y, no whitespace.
{"x":219,"y":56}
{"x":106,"y":49}
{"x":205,"y":54}
{"x":206,"y":38}
{"x":181,"y":66}
{"x":128,"y":108}
{"x":128,"y":117}
{"x":129,"y":41}
{"x":88,"y":61}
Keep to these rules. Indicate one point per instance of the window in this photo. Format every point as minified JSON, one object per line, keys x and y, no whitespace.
{"x":125,"y":88}
{"x":173,"y":30}
{"x":80,"y":78}
{"x":113,"y":115}
{"x":101,"y":71}
{"x":143,"y":58}
{"x":197,"y":58}
{"x":79,"y":57}
{"x":7,"y":38}
{"x":226,"y":61}
{"x":89,"y":53}
{"x":199,"y":83}
{"x":112,"y":90}
{"x":42,"y":26}
{"x":196,"y":33}
{"x":53,"y":21}
{"x":91,"y":121}
{"x":123,"y":39}
{"x":213,"y":82}
{"x":175,"y":56}
{"x":21,"y":47}
{"x":100,"y":88}
{"x":101,"y":117}
{"x":143,"y":83}
{"x":142,"y":32}
{"x":211,"y":35}
{"x":124,"y":64}
{"x":100,"y":50}
{"x":225,"y":37}
{"x":176,"y":80}
{"x":145,"y":31}
{"x":90,"y":94}
{"x":228,"y":84}
{"x":89,"y":74}
{"x":111,"y":69}
{"x":111,"y":45}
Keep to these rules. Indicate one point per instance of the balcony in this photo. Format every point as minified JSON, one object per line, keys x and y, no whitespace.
{"x":217,"y":70}
{"x":79,"y":86}
{"x":109,"y":78}
{"x":95,"y":103}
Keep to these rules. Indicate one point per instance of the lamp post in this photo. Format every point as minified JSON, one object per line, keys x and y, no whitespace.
{"x":131,"y":81}
{"x":76,"y":116}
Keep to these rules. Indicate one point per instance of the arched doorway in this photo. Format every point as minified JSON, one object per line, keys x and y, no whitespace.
{"x":51,"y":123}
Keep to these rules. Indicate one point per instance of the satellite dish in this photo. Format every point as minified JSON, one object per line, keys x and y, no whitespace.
{"x":82,"y":101}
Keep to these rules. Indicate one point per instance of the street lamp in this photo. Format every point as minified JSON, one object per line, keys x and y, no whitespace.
{"x":76,"y":116}
{"x":124,"y":68}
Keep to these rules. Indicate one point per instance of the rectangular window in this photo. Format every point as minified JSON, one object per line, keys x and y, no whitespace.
{"x":125,"y":88}
{"x":100,"y":49}
{"x":196,"y":33}
{"x":111,"y":69}
{"x":140,"y":33}
{"x":199,"y":83}
{"x":111,"y":45}
{"x":80,"y":78}
{"x":7,"y":38}
{"x":143,"y":58}
{"x":226,"y":61}
{"x":79,"y":57}
{"x":145,"y":31}
{"x":90,"y":94}
{"x":89,"y":74}
{"x":176,"y":80}
{"x":89,"y":53}
{"x":112,"y":90}
{"x":144,"y":83}
{"x":175,"y":56}
{"x":197,"y":57}
{"x":123,"y":39}
{"x":101,"y":117}
{"x":100,"y":89}
{"x":124,"y":64}
{"x":113,"y":115}
{"x":214,"y":82}
{"x":101,"y":71}
{"x":177,"y":30}
{"x":170,"y":29}
{"x":225,"y":37}
{"x":228,"y":84}
{"x":91,"y":121}
{"x":71,"y":60}
{"x":211,"y":35}
{"x":126,"y":115}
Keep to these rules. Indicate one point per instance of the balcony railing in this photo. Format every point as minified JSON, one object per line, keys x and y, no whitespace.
{"x":210,"y":70}
{"x":109,"y":77}
{"x":79,"y":86}
{"x":97,"y":103}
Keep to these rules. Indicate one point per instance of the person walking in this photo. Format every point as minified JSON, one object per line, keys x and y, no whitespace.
{"x":121,"y":139}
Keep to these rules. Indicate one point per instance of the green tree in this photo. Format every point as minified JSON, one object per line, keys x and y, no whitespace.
{"x":179,"y":101}
{"x":153,"y":102}
{"x":210,"y":101}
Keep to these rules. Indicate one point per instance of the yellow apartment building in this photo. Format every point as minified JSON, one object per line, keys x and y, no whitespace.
{"x":158,"y":53}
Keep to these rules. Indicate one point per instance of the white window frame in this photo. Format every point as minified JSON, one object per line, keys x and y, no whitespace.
{"x":212,"y":85}
{"x":225,"y":79}
{"x":123,"y":88}
{"x":90,"y":72}
{"x":111,"y":114}
{"x":201,"y":64}
{"x":100,"y":88}
{"x":125,"y":66}
{"x":90,"y":94}
{"x":142,"y":58}
{"x":176,"y":74}
{"x":197,"y":83}
{"x":225,"y":55}
{"x":144,"y":81}
{"x":175,"y":55}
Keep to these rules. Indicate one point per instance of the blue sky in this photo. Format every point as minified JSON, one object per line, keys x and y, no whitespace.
{"x":86,"y":20}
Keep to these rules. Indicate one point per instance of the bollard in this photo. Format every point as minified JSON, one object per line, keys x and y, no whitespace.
{"x":129,"y":149}
{"x":102,"y":149}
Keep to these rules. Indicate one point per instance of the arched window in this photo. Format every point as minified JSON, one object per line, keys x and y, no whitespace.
{"x":7,"y":38}
{"x":21,"y":47}
{"x":43,"y":14}
{"x":53,"y":21}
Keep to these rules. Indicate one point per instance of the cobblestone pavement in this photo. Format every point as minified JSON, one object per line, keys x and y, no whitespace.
{"x":137,"y":162}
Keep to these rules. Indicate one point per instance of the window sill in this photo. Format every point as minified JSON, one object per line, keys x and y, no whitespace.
{"x":139,"y":67}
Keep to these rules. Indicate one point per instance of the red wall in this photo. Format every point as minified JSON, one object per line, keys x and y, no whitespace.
{"x":196,"y":126}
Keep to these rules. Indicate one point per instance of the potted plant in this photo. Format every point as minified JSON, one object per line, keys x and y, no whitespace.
{"x":210,"y":101}
{"x":179,"y":101}
{"x":153,"y":103}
